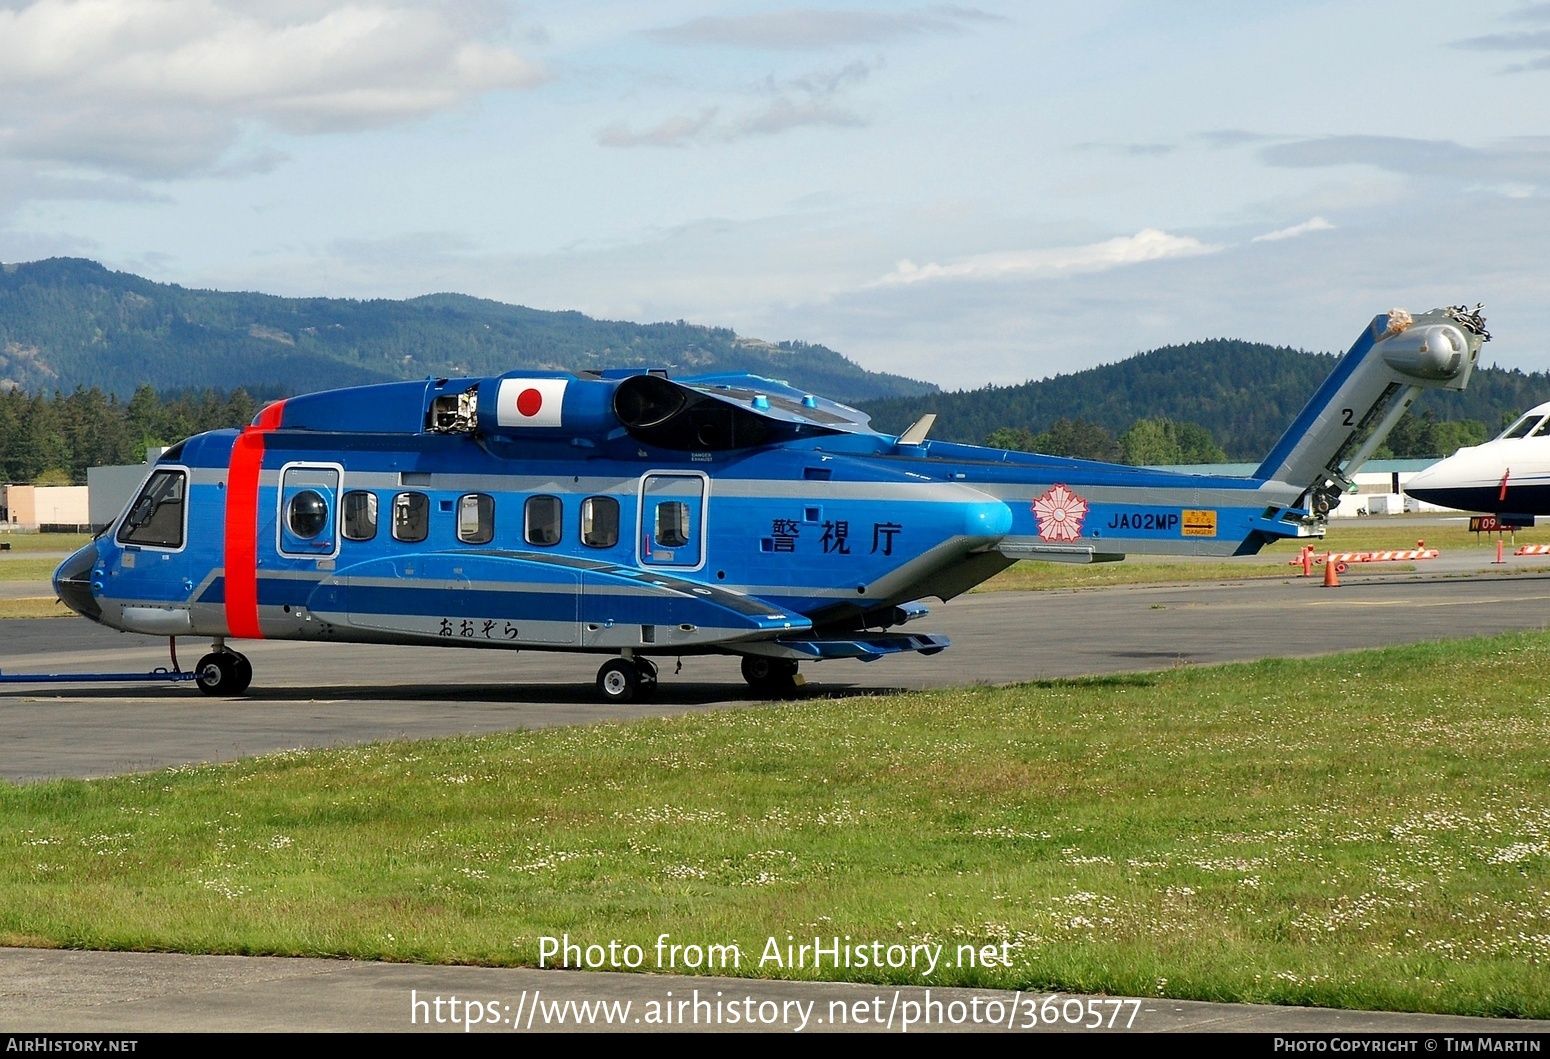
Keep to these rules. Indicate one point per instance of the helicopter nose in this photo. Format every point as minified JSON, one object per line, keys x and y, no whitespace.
{"x":72,"y":583}
{"x":987,"y":519}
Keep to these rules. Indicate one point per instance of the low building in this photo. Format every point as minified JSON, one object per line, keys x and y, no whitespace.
{"x":45,"y":508}
{"x":74,"y":508}
{"x":112,"y":488}
{"x":1380,"y":486}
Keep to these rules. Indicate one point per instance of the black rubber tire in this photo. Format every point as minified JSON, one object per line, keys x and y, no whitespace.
{"x":223,"y":673}
{"x":618,"y":681}
{"x":646,"y":672}
{"x":770,"y":676}
{"x":244,"y":673}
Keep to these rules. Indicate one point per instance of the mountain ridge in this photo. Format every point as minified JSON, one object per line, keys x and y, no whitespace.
{"x":67,"y":322}
{"x":70,"y":322}
{"x":1245,"y":393}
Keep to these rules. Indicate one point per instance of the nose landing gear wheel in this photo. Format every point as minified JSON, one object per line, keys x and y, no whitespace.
{"x":770,"y":676}
{"x":223,"y":673}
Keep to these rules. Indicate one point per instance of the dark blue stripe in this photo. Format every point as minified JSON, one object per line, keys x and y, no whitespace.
{"x":530,"y":606}
{"x":1521,"y":499}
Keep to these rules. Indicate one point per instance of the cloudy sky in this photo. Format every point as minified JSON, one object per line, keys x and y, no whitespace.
{"x":985,"y":192}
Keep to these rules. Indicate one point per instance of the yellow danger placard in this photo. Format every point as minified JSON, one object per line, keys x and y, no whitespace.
{"x":1199,"y":524}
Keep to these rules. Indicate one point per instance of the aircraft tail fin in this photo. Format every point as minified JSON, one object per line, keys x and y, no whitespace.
{"x":1348,"y":417}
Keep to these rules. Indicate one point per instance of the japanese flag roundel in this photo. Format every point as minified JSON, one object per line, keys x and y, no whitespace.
{"x":530,"y":402}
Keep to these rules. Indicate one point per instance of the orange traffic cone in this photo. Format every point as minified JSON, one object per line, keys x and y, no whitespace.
{"x":1330,"y":580}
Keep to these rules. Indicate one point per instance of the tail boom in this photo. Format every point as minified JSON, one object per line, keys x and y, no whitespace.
{"x":1391,"y":363}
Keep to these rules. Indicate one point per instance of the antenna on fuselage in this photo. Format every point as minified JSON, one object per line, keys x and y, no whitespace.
{"x":917,"y":433}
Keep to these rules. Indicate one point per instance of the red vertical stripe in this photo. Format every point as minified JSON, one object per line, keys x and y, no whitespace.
{"x":247,"y":463}
{"x":269,"y":418}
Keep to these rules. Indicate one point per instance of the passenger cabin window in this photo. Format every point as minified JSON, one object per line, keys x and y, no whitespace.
{"x":672,"y":524}
{"x":156,"y":517}
{"x":600,"y":522}
{"x":360,"y":515}
{"x":411,"y":517}
{"x":541,"y":520}
{"x":476,"y":519}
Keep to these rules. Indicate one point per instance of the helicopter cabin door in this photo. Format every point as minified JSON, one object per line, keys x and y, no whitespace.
{"x":671,"y":531}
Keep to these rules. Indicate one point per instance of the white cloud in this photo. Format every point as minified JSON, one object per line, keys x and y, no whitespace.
{"x":1520,"y":159}
{"x":802,"y":101}
{"x":1317,"y":224}
{"x":1508,"y":189}
{"x":677,"y":131}
{"x":162,"y":88}
{"x":808,"y":30}
{"x":1149,"y":244}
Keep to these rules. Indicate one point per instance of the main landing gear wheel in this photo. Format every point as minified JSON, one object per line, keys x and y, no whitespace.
{"x":770,"y":676}
{"x":223,"y":673}
{"x":626,"y":680}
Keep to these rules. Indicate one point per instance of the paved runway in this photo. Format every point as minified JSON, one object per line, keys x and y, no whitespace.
{"x":308,"y":695}
{"x":123,"y":993}
{"x":317,"y":695}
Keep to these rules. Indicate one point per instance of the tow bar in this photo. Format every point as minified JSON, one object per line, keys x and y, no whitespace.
{"x":162,"y":673}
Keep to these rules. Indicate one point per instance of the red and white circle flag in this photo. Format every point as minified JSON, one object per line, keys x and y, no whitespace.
{"x":530,"y":402}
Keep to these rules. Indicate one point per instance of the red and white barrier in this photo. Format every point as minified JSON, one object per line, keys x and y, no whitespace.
{"x":1308,"y":558}
{"x":1383,"y":557}
{"x":1533,"y":549}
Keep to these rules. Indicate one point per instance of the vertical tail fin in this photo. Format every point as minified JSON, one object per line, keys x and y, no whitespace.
{"x":1348,"y":417}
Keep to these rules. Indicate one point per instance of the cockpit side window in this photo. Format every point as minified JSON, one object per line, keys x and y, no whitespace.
{"x":155,"y":518}
{"x":1543,"y":430}
{"x":1521,"y":428}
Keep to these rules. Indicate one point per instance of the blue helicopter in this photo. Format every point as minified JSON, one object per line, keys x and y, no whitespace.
{"x":638,"y":516}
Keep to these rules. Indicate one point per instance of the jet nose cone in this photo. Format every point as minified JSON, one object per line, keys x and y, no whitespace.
{"x":1442,"y":475}
{"x":1421,"y":480}
{"x":73,"y":583}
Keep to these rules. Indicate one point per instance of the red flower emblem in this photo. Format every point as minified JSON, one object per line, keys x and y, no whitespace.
{"x":1060,"y":513}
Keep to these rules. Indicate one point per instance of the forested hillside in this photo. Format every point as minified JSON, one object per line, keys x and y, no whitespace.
{"x":1244,"y":393}
{"x":51,"y":441}
{"x":92,"y":337}
{"x":66,"y":323}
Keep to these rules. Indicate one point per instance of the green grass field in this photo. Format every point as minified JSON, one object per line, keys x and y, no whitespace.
{"x":1369,"y":830}
{"x":23,"y":563}
{"x":22,"y":543}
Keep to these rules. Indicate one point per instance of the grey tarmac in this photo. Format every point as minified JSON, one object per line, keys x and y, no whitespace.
{"x":315,"y":695}
{"x":308,"y":695}
{"x":44,"y":991}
